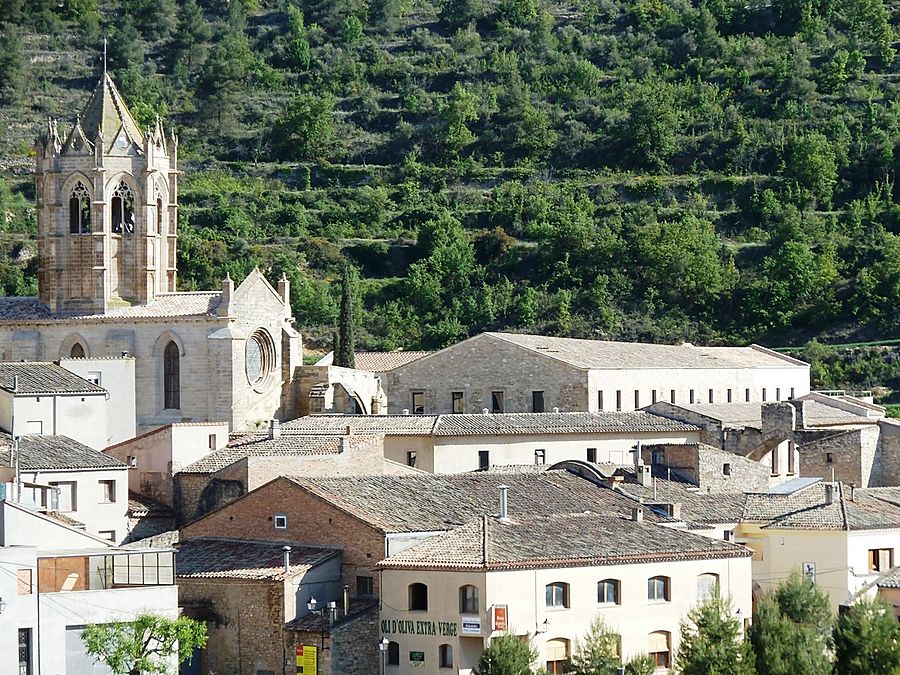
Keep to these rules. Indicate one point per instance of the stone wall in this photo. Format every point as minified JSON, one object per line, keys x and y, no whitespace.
{"x":479,"y":366}
{"x":715,"y":471}
{"x":889,"y":452}
{"x":310,"y":520}
{"x":351,"y":645}
{"x":849,"y":461}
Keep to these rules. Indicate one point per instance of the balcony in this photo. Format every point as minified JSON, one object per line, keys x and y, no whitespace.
{"x":64,"y":574}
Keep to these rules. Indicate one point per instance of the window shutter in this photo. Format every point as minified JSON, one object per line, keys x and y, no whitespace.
{"x":658,"y":642}
{"x":556,"y":650}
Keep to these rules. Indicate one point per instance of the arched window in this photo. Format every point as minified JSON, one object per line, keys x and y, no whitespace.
{"x":608,"y":592}
{"x":79,"y":210}
{"x":418,"y":597}
{"x":445,"y":656}
{"x":77,"y":351}
{"x":706,"y":586}
{"x":557,"y":595}
{"x":658,"y":589}
{"x":659,"y":647}
{"x":159,"y":214}
{"x":172,"y":377}
{"x":556,"y":655}
{"x":393,"y":654}
{"x":468,"y":599}
{"x":122,"y":209}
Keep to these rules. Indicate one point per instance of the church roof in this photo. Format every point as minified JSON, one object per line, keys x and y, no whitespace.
{"x":106,"y":112}
{"x":194,"y":303}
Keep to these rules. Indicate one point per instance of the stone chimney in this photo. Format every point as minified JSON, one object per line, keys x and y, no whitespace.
{"x":504,"y":503}
{"x":799,"y":413}
{"x":829,"y":493}
{"x":227,"y":293}
{"x":284,"y":291}
{"x":637,"y":514}
{"x":274,"y":429}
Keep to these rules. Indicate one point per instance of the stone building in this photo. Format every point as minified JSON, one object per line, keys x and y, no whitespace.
{"x":107,"y":206}
{"x":506,"y":372}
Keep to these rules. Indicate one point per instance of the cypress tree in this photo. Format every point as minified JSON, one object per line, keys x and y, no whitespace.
{"x":346,"y":340}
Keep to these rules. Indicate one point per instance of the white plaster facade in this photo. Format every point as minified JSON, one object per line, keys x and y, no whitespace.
{"x":80,"y":416}
{"x":116,"y":375}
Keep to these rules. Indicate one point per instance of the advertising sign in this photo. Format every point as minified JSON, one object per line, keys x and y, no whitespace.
{"x":500,"y":617}
{"x":417,"y":659}
{"x":471,"y":625}
{"x":306,"y":659}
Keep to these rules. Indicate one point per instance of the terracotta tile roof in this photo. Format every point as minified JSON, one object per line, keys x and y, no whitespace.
{"x":559,"y":541}
{"x":194,"y":303}
{"x":55,"y":453}
{"x":890,"y":580}
{"x":212,"y":558}
{"x":500,"y":424}
{"x":806,"y":508}
{"x":605,"y":355}
{"x":242,"y":446}
{"x":750,"y":414}
{"x":312,"y":623}
{"x":43,"y":377}
{"x":381,"y":362}
{"x":142,"y":505}
{"x":429,"y":502}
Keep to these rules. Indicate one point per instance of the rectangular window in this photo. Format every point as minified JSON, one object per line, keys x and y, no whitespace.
{"x":365,"y":586}
{"x":410,"y":458}
{"x":484,"y":459}
{"x":618,"y":400}
{"x":711,"y":394}
{"x":728,"y":395}
{"x":600,"y":400}
{"x":637,"y":399}
{"x":691,"y":396}
{"x":672,"y":396}
{"x":557,"y":595}
{"x":107,"y":491}
{"x":457,"y":402}
{"x":792,"y":393}
{"x":212,"y":441}
{"x":726,"y":469}
{"x":747,"y":395}
{"x":94,"y":377}
{"x":496,"y":401}
{"x":792,"y":451}
{"x":109,"y":535}
{"x":777,"y":393}
{"x":23,"y":582}
{"x":67,"y":496}
{"x":34,"y":427}
{"x":281,"y":521}
{"x":445,"y":656}
{"x":540,"y":457}
{"x":418,"y":403}
{"x":653,"y":395}
{"x":592,"y":454}
{"x":658,"y":589}
{"x":764,"y":394}
{"x":829,"y":458}
{"x":537,"y":401}
{"x":24,"y":651}
{"x":881,"y":559}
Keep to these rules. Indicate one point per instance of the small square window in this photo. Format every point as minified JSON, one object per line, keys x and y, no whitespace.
{"x":726,"y":469}
{"x":829,"y":458}
{"x":109,"y":535}
{"x":365,"y":586}
{"x":107,"y":491}
{"x":592,"y":454}
{"x":281,"y":522}
{"x":410,"y":458}
{"x":131,"y":461}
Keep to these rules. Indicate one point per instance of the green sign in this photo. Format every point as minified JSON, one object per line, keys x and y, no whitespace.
{"x":417,"y":659}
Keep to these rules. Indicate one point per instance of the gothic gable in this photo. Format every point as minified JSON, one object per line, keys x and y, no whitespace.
{"x":256,"y":299}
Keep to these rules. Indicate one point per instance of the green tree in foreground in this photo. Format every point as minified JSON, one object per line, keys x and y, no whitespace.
{"x":345,"y":356}
{"x":506,"y":655}
{"x":791,"y":630}
{"x":711,"y":641}
{"x":598,"y":653}
{"x":145,"y":645}
{"x":867,"y":639}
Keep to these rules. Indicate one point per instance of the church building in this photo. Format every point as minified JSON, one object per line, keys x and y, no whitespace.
{"x":107,"y":212}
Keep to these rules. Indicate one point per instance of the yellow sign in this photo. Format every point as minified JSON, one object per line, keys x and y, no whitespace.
{"x":306,"y":659}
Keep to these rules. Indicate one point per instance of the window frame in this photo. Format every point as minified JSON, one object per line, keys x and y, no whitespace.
{"x":418,"y":597}
{"x":365,"y":583}
{"x":411,"y":457}
{"x":107,"y":491}
{"x":538,"y":404}
{"x":875,"y":559}
{"x":457,"y":397}
{"x":484,"y":460}
{"x":418,"y":408}
{"x":498,"y":402}
{"x":652,"y":594}
{"x":551,"y":593}
{"x":284,"y":519}
{"x":172,"y":376}
{"x":712,"y":591}
{"x":540,"y":457}
{"x":445,"y":655}
{"x":469,"y":601}
{"x":603,"y":597}
{"x":393,"y":653}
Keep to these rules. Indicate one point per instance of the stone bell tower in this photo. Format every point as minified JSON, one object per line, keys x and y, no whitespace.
{"x":107,"y":209}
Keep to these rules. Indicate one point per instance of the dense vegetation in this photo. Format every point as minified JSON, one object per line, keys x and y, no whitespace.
{"x":711,"y":170}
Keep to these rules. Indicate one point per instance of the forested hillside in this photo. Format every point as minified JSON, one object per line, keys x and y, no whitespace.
{"x":712,"y":170}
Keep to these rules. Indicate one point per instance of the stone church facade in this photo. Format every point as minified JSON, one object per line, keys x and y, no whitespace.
{"x":107,"y":205}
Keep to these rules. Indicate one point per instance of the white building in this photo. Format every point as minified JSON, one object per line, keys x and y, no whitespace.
{"x":116,"y":375}
{"x":55,"y":580}
{"x":546,"y":579}
{"x":506,"y":372}
{"x":86,"y":488}
{"x":466,"y":442}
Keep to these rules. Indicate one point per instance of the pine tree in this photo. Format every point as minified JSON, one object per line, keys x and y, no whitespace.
{"x":346,"y":340}
{"x":711,"y":642}
{"x":191,"y":36}
{"x":12,"y":63}
{"x":867,"y":639}
{"x":598,"y":653}
{"x":506,"y":655}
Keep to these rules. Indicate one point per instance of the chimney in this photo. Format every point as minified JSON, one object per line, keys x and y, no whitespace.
{"x":556,"y":410}
{"x":287,"y":559}
{"x":332,"y":610}
{"x":15,"y":383}
{"x":851,"y":491}
{"x":124,"y":355}
{"x":645,"y":475}
{"x":504,"y":502}
{"x":227,"y":291}
{"x":638,"y":460}
{"x":406,"y":411}
{"x":349,"y":430}
{"x":346,"y":600}
{"x":284,"y":291}
{"x":274,"y":429}
{"x":637,"y":514}
{"x":485,"y":411}
{"x":829,"y":493}
{"x":675,"y":510}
